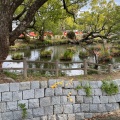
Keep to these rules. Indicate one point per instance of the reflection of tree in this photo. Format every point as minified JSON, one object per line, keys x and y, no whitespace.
{"x":27,"y":53}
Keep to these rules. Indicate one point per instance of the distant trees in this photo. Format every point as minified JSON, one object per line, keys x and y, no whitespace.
{"x":102,"y":20}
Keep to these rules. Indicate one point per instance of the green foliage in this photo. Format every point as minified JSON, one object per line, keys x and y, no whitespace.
{"x":92,"y":72}
{"x":71,"y":49}
{"x":104,"y":55}
{"x":46,"y":53}
{"x":67,"y":55}
{"x":17,"y":56}
{"x":83,"y":54}
{"x":49,"y":37}
{"x":110,"y":87}
{"x":10,"y":74}
{"x":87,"y":90}
{"x":24,"y":110}
{"x":78,"y":87}
{"x":71,"y":35}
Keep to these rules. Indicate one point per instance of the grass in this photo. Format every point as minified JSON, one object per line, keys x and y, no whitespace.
{"x":11,"y":74}
{"x":110,"y":87}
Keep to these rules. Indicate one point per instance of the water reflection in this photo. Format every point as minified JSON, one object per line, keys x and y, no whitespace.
{"x":34,"y":55}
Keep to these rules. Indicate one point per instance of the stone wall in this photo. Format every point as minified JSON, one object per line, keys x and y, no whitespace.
{"x":61,"y":103}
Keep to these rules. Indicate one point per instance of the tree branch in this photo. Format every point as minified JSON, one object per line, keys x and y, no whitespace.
{"x":26,"y":21}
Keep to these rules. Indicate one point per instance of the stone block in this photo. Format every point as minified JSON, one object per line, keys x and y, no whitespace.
{"x":28,"y":94}
{"x":84,"y":83}
{"x":51,"y":82}
{"x":43,"y":118}
{"x":58,"y":91}
{"x":58,"y":109}
{"x":0,"y":96}
{"x":68,"y":84}
{"x":67,"y":91}
{"x":76,"y":83}
{"x":71,"y":116}
{"x":94,"y":84}
{"x":48,"y":110}
{"x":17,"y":115}
{"x":102,"y":108}
{"x":111,"y":99}
{"x":49,"y":92}
{"x":60,"y":81}
{"x":35,"y":85}
{"x":88,"y":115}
{"x":116,"y":106}
{"x":81,"y":92}
{"x":79,"y":116}
{"x":56,"y":100}
{"x":98,"y":91}
{"x":87,"y":99}
{"x":76,"y":108}
{"x":7,"y":116}
{"x":33,"y":103}
{"x":43,"y":84}
{"x":2,"y":107}
{"x":37,"y":112}
{"x":51,"y":117}
{"x":99,"y":84}
{"x":109,"y":107}
{"x":29,"y":114}
{"x":7,"y":96}
{"x":71,"y":99}
{"x":79,"y":99}
{"x":14,"y":86}
{"x":96,"y":99}
{"x":24,"y":85}
{"x":117,"y":97}
{"x":61,"y":117}
{"x":39,"y":93}
{"x":85,"y":107}
{"x":36,"y":118}
{"x":4,"y":87}
{"x":68,"y":108}
{"x":46,"y":101}
{"x":63,"y":99}
{"x":104,"y":99}
{"x":12,"y":105}
{"x":17,"y":95}
{"x":94,"y":108}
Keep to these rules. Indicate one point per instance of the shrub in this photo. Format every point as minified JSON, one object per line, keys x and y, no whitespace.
{"x":88,"y":90}
{"x":83,"y":54}
{"x":46,"y":53}
{"x":24,"y":110}
{"x":71,"y":35}
{"x":67,"y":55}
{"x":17,"y":56}
{"x":110,"y":87}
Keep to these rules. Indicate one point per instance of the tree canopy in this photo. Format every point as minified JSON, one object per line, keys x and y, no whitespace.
{"x":101,"y":20}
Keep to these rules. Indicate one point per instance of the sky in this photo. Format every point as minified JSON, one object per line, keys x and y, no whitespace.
{"x":86,"y":7}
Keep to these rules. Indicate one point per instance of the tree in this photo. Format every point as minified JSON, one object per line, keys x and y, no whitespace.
{"x":101,"y":21}
{"x":30,"y":7}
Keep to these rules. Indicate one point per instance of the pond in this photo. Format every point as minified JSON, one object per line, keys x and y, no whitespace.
{"x":57,"y":51}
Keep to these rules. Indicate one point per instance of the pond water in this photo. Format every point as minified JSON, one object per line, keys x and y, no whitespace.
{"x":34,"y":55}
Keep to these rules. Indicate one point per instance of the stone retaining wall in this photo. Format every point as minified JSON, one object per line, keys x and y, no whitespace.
{"x":61,"y":103}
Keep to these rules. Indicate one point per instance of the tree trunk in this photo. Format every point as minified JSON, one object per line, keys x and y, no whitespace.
{"x":4,"y":36}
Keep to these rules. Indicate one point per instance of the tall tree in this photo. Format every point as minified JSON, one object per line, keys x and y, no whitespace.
{"x":7,"y":15}
{"x":101,"y":20}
